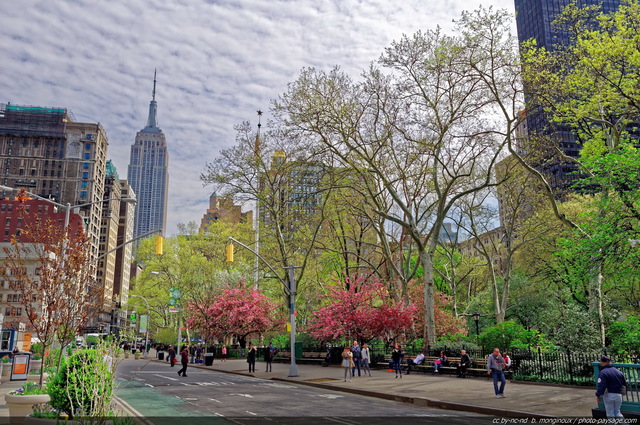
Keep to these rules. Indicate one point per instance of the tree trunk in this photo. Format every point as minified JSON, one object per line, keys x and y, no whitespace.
{"x":429,"y":331}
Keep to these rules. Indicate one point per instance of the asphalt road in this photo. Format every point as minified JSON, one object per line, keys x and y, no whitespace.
{"x":160,"y":395}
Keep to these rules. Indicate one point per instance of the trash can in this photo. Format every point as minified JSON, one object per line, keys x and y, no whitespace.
{"x":298,"y":350}
{"x":161,"y":355}
{"x":208,"y":359}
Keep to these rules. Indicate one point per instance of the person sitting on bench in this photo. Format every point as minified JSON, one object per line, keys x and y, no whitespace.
{"x":465,"y":362}
{"x":417,"y":361}
{"x":440,"y":361}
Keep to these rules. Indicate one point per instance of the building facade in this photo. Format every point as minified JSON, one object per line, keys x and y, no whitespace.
{"x":46,"y":152}
{"x":148,"y":174}
{"x":224,"y":210}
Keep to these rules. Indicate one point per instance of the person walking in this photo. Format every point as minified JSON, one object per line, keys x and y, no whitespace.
{"x":495,"y":367}
{"x":223,"y":358}
{"x":465,"y":362}
{"x":611,"y":387}
{"x":172,"y":356}
{"x":357,"y":355}
{"x":184,"y":359}
{"x":347,"y":362}
{"x":199,"y":351}
{"x":396,"y":357}
{"x":192,"y":354}
{"x":251,"y":358}
{"x":366,"y":359}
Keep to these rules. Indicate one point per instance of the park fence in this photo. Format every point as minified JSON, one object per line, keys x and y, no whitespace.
{"x":557,"y":367}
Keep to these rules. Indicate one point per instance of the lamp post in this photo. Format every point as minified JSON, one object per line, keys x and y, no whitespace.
{"x":174,"y":292}
{"x":146,"y":337}
{"x":290,"y":289}
{"x":476,"y":317}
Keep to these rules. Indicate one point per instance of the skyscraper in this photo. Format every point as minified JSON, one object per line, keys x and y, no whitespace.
{"x":534,"y":19}
{"x":148,"y":174}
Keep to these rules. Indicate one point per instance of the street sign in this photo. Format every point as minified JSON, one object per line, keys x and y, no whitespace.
{"x":173,"y":309}
{"x":144,"y":321}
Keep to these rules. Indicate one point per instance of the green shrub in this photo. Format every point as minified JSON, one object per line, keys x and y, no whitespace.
{"x":512,"y":336}
{"x":625,"y":336}
{"x":83,"y":385}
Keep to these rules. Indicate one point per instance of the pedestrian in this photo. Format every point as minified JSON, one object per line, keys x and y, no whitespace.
{"x":415,"y":362}
{"x":396,"y":357}
{"x":251,"y":358}
{"x":495,"y":368}
{"x":184,"y":359}
{"x":357,"y":355}
{"x":465,"y":362}
{"x":269,"y":352}
{"x":199,"y":353}
{"x":347,"y":362}
{"x":440,"y":361}
{"x":192,"y":354}
{"x":223,"y":357}
{"x":172,"y":356}
{"x":366,"y":359}
{"x":611,"y":387}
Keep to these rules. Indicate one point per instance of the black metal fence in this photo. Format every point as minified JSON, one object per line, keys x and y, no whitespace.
{"x":558,"y":367}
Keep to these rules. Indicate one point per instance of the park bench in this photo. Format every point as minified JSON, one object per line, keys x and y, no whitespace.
{"x":630,"y":408}
{"x":308,"y":357}
{"x":478,"y":366}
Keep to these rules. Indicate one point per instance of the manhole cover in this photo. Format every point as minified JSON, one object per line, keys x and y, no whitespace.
{"x":321,"y":380}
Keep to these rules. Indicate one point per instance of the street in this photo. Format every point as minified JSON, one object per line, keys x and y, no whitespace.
{"x":158,"y":393}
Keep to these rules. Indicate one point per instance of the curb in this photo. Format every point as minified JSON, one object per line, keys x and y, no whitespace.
{"x":131,"y":412}
{"x":418,"y":401}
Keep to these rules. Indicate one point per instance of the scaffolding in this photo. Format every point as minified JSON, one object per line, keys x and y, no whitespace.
{"x":20,"y":120}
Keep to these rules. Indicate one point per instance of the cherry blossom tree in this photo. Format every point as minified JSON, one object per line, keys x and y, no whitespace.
{"x":233,"y":311}
{"x":362,"y":310}
{"x":446,"y":321}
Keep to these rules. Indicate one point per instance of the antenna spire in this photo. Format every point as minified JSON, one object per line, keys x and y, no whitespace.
{"x":154,"y":84}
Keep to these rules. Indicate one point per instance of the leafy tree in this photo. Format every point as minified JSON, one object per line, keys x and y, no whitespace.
{"x":510,"y":335}
{"x":625,"y":337}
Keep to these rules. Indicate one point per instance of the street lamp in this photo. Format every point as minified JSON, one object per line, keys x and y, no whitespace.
{"x":67,"y":207}
{"x":290,"y":289}
{"x":179,"y":311}
{"x":476,"y":317}
{"x":146,"y":337}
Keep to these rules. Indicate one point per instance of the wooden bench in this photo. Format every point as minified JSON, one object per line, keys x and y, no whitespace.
{"x":308,"y":357}
{"x":478,"y":366}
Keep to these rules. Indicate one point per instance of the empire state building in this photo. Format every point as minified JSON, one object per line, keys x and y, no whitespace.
{"x":148,"y":174}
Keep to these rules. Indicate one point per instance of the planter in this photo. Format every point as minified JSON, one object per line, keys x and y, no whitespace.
{"x":20,"y":406}
{"x":30,"y":420}
{"x":136,"y":356}
{"x":126,"y":354}
{"x":6,"y":371}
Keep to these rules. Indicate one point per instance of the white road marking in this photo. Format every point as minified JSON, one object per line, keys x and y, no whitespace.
{"x":190,"y":398}
{"x":251,"y":413}
{"x":244,"y":395}
{"x":149,"y":385}
{"x":330,"y":396}
{"x":217,"y":401}
{"x":166,"y":377}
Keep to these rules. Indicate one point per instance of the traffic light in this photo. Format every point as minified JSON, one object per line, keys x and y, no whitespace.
{"x":229,"y":253}
{"x":159,"y":240}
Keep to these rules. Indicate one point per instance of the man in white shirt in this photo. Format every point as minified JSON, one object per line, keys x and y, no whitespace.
{"x":417,"y":361}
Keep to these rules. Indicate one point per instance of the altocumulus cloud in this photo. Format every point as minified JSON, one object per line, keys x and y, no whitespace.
{"x":218,"y":62}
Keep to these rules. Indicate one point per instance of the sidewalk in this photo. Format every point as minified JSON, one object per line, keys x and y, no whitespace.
{"x":444,"y":392}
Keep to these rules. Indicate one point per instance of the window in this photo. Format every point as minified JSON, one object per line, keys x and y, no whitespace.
{"x":85,"y":175}
{"x":87,"y":155}
{"x":87,"y":146}
{"x":83,"y":195}
{"x":83,"y":185}
{"x":8,"y":222}
{"x":86,"y":166}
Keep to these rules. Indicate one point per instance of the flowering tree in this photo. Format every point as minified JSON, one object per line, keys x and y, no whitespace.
{"x":361,"y":310}
{"x":238,"y":312}
{"x":52,"y":275}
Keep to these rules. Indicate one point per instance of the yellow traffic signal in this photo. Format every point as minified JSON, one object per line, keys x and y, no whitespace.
{"x":229,"y":253}
{"x":159,"y":240}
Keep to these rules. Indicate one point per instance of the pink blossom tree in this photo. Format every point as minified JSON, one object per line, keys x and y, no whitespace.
{"x":445,"y":320}
{"x":239,"y":312}
{"x":361,"y":310}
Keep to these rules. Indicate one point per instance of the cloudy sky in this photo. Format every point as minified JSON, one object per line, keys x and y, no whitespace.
{"x":218,"y":62}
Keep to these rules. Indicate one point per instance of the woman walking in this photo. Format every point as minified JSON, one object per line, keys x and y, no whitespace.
{"x":397,"y":355}
{"x":347,"y":362}
{"x":184,"y":359}
{"x":224,"y":353}
{"x":251,"y":358}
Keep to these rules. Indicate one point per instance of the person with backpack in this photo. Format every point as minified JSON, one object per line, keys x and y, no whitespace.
{"x":172,"y":356}
{"x":269,"y":353}
{"x":251,"y":358}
